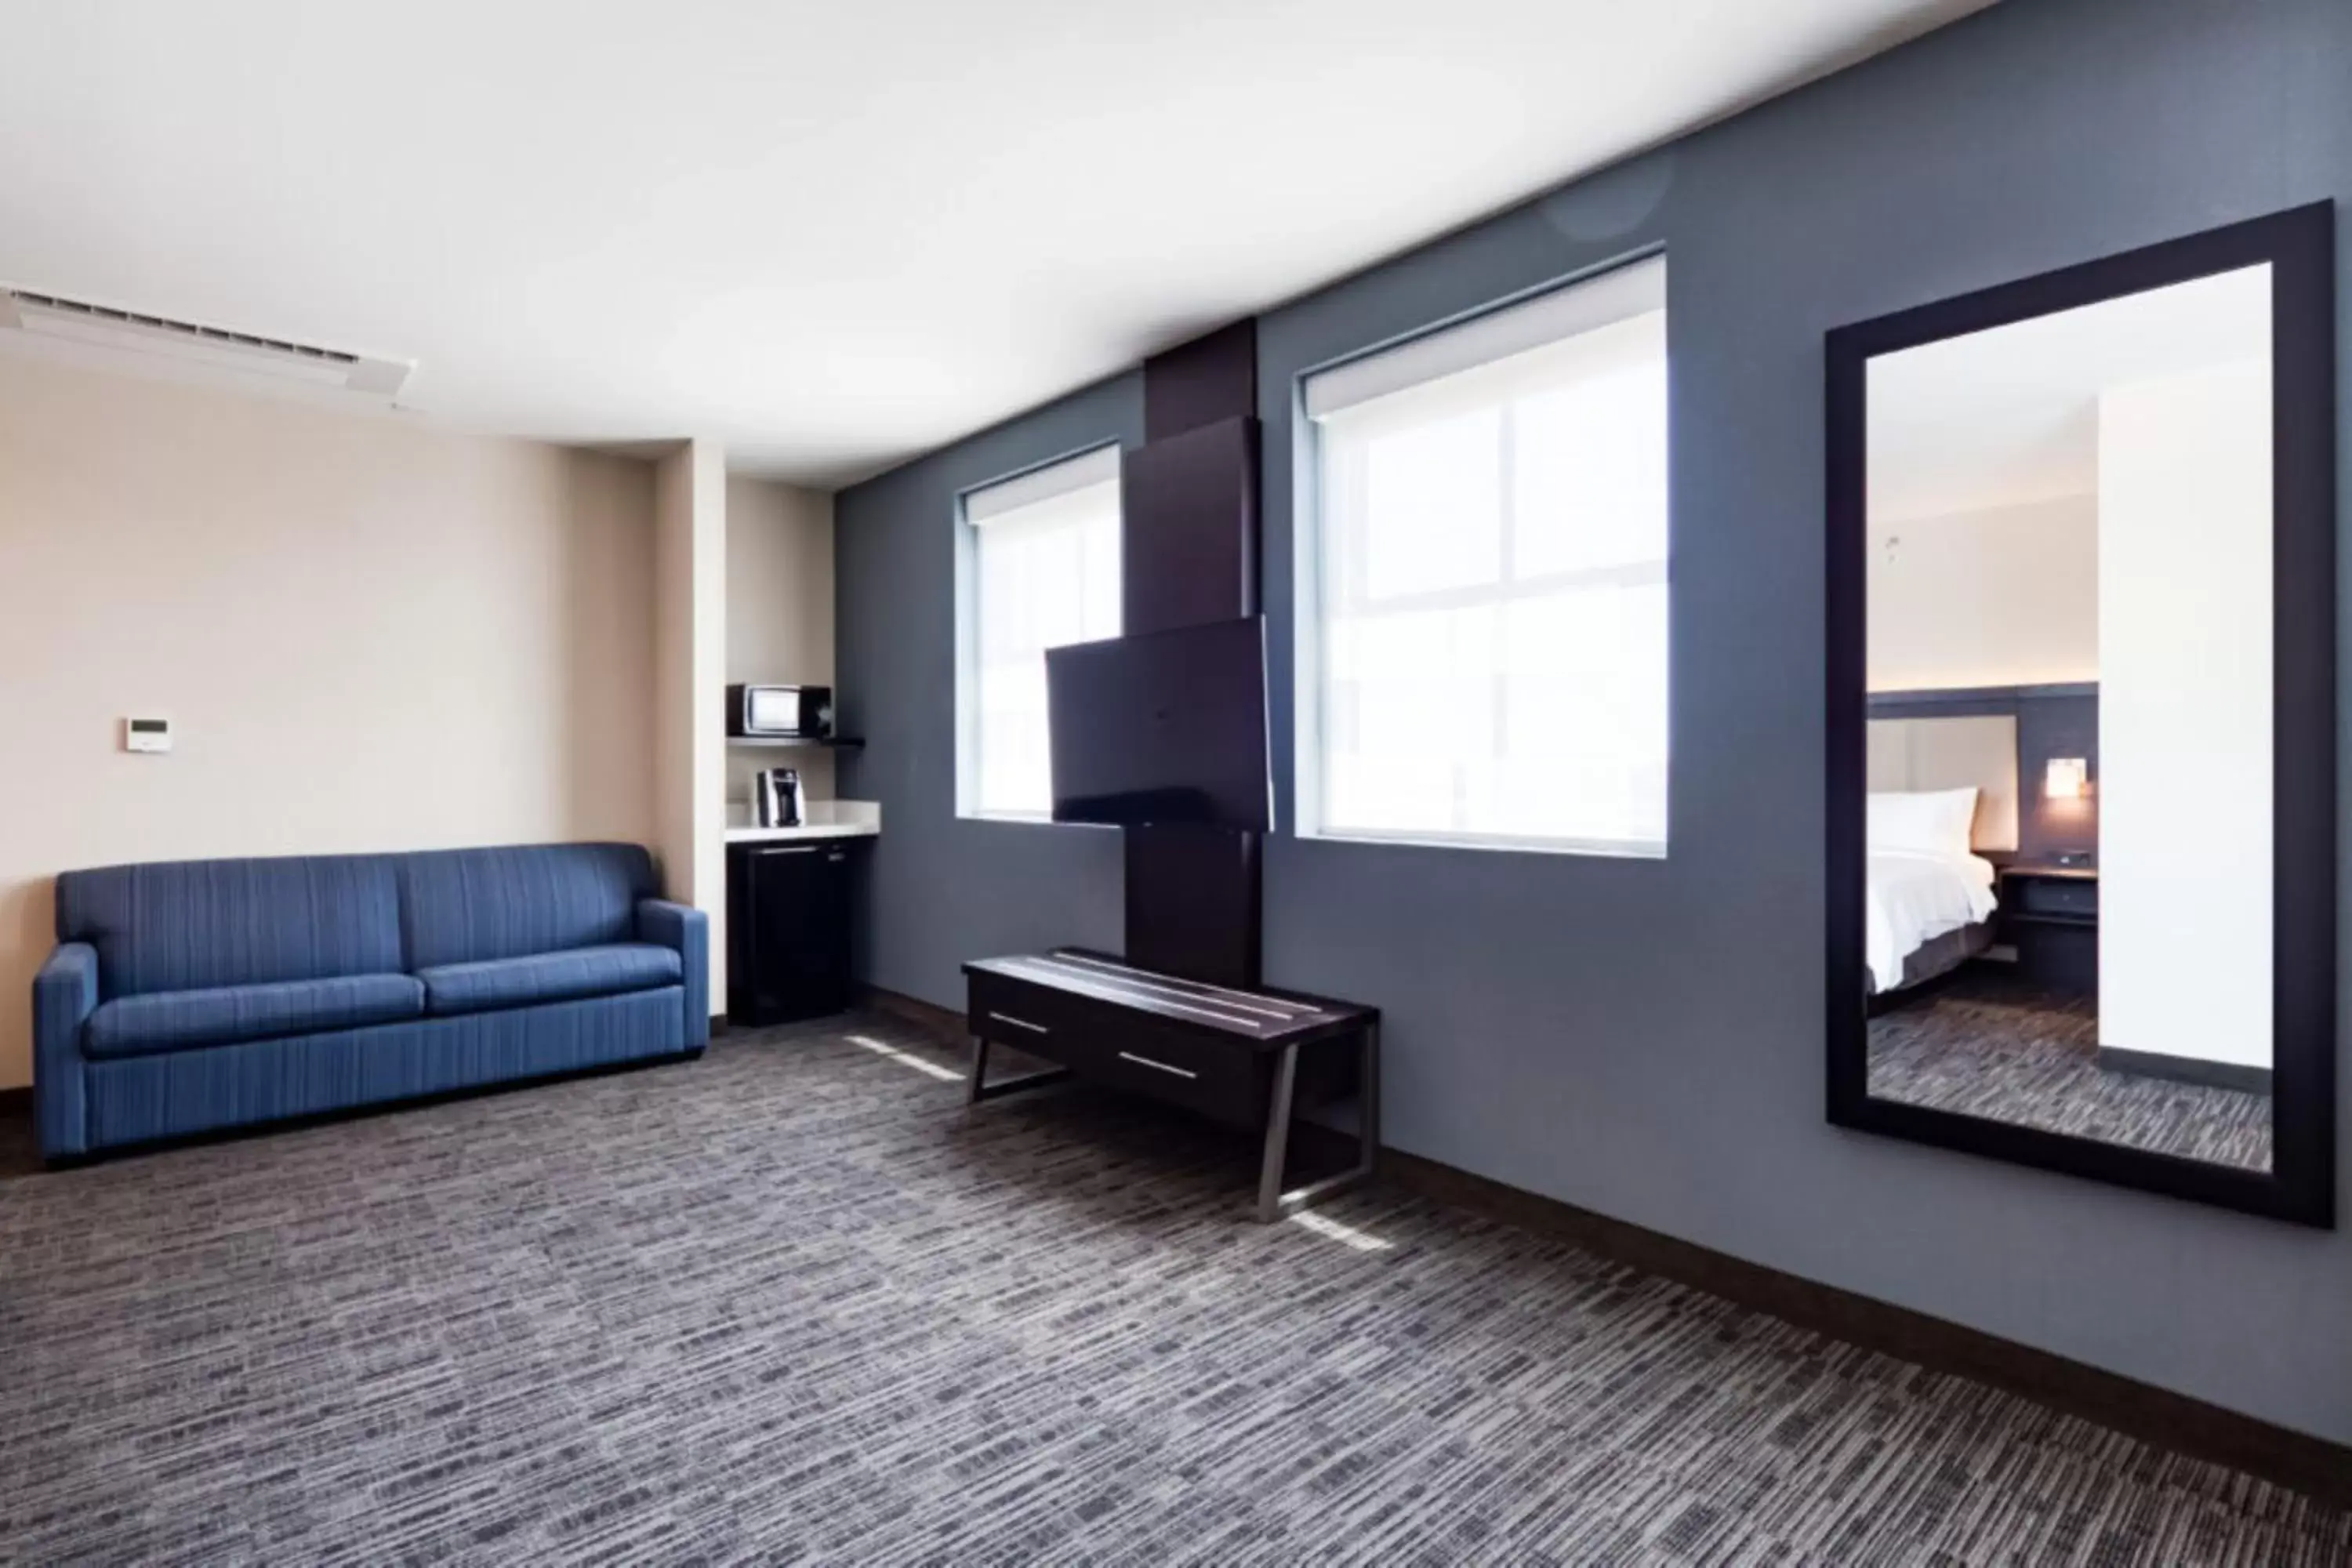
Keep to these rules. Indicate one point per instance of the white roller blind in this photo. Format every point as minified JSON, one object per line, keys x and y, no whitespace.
{"x":1544,"y":321}
{"x":1488,"y":605}
{"x":1085,"y":471}
{"x":1044,"y":571}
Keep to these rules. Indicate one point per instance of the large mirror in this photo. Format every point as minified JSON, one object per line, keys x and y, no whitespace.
{"x":2082,"y":721}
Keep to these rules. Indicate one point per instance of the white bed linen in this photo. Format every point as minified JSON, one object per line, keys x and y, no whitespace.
{"x":1914,"y":898}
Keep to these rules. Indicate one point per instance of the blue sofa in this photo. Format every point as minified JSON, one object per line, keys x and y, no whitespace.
{"x":199,"y":994}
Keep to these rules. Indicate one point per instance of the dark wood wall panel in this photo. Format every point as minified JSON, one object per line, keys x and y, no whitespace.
{"x":1189,"y":527}
{"x":1192,"y":902}
{"x":1200,"y":383}
{"x":1188,"y":555}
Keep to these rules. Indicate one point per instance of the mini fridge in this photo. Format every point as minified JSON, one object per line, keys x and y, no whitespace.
{"x":787,"y":930}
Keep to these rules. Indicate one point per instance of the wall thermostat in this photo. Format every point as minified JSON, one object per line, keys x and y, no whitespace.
{"x":146,"y":734}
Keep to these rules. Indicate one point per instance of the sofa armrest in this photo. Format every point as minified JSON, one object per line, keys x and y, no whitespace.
{"x":687,"y":931}
{"x":65,"y":993}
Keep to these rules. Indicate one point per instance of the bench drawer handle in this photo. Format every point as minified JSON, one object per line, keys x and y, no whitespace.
{"x":1021,"y":1023}
{"x":1147,"y":1062}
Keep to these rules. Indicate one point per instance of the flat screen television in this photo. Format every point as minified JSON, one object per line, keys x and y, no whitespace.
{"x":1163,"y":727}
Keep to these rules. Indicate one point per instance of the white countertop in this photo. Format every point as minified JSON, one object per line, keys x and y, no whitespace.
{"x":825,"y":819}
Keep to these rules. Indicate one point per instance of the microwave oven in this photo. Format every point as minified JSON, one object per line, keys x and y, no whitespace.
{"x":756,"y":711}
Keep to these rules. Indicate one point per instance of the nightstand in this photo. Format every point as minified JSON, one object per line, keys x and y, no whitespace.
{"x":2051,"y":915}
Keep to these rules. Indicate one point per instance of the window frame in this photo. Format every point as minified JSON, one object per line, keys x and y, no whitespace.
{"x":1311,"y":621}
{"x":968,"y":735}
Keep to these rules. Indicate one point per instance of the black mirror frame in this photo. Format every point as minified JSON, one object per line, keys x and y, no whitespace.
{"x":2300,"y":246}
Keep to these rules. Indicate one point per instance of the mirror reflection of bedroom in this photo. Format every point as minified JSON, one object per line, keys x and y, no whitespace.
{"x":2068,"y":923}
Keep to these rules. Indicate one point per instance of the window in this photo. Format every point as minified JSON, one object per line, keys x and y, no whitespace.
{"x":1483,"y":625}
{"x":1043,"y":571}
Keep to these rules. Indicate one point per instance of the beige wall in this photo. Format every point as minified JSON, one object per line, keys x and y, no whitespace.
{"x":690,"y":595}
{"x":778,"y":612}
{"x":2007,"y":596}
{"x":369,"y":635}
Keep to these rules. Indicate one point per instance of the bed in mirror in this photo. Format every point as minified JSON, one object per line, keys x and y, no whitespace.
{"x":2082,"y":720}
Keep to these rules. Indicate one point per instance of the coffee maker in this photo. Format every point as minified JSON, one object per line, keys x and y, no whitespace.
{"x":776,"y":798}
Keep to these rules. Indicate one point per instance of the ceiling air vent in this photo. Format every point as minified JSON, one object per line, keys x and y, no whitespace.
{"x":191,"y":343}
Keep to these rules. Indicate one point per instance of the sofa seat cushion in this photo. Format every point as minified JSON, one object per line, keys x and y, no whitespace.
{"x":183,"y":1020}
{"x":605,"y":971}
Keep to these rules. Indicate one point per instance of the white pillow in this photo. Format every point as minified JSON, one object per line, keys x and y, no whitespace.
{"x":1928,"y":822}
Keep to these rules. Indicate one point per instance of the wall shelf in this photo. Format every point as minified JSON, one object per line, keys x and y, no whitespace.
{"x":837,"y":740}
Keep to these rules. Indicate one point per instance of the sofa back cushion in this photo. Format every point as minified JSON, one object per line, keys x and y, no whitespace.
{"x":190,"y":925}
{"x":465,"y":906}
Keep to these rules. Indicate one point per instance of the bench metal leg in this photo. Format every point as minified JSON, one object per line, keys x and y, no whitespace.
{"x":977,"y":1088}
{"x":1272,"y":1202}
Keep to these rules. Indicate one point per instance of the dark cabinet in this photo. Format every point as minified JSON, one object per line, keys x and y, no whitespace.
{"x":787,"y":930}
{"x":2051,"y":914}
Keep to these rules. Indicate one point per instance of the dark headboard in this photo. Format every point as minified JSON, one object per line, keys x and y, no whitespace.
{"x":2057,"y":720}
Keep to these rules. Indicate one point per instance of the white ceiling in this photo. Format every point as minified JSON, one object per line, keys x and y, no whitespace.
{"x":2010,"y":417}
{"x":829,"y":235}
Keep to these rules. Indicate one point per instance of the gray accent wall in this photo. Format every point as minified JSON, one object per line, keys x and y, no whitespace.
{"x":1645,"y":1037}
{"x":936,"y":888}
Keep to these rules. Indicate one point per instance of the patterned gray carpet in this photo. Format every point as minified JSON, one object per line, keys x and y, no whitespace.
{"x":1985,"y":1044}
{"x":791,"y":1304}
